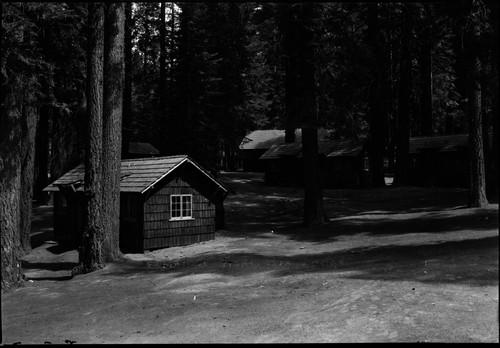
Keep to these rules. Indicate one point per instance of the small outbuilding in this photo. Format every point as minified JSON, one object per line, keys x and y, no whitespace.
{"x":164,"y":202}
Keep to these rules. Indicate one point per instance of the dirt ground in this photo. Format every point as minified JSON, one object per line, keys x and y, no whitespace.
{"x":391,"y":265}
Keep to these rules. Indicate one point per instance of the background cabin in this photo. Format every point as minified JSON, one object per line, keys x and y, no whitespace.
{"x":141,"y":150}
{"x":253,"y":146}
{"x":343,"y":163}
{"x":164,"y":202}
{"x":441,"y":160}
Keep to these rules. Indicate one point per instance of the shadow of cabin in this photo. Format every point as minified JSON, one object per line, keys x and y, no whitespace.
{"x":164,"y":202}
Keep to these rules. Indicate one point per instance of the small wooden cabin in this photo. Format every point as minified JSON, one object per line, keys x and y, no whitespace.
{"x":441,"y":160}
{"x":343,"y":164}
{"x":253,"y":146}
{"x":164,"y":202}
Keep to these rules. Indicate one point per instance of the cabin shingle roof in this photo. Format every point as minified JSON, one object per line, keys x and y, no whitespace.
{"x":329,"y":148}
{"x":442,"y":143}
{"x":137,"y":175}
{"x":264,"y":139}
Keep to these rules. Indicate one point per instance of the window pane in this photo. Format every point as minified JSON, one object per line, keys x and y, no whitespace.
{"x":186,"y":206}
{"x":175,"y":208}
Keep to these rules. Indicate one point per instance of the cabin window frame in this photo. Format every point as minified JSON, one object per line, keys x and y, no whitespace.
{"x":184,"y":212}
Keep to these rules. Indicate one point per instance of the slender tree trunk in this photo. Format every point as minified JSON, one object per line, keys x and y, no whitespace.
{"x":127,"y":93}
{"x":476,"y":152}
{"x":91,"y":250}
{"x":290,"y":96}
{"x":378,"y":99}
{"x":163,"y":57}
{"x":28,"y":130}
{"x":486,"y":151}
{"x":112,"y":123}
{"x":172,"y":49}
{"x":403,"y":129}
{"x":426,"y":74}
{"x":42,"y":154}
{"x":287,"y":22}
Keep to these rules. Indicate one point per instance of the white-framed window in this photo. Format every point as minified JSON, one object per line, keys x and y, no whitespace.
{"x":181,"y":207}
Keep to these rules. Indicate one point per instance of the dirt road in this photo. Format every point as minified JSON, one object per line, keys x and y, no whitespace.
{"x":391,"y":265}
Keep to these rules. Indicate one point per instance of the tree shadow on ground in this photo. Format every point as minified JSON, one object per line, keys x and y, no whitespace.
{"x":39,"y":237}
{"x":473,"y":262}
{"x":437,"y":222}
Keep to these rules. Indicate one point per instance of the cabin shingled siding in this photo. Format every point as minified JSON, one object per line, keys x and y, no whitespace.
{"x":159,"y":232}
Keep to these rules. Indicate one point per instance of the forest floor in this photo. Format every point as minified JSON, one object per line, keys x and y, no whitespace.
{"x":391,"y":265}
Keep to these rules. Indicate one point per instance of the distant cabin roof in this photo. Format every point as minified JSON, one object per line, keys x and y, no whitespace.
{"x":329,"y":148}
{"x":137,"y":175}
{"x":442,"y":143}
{"x":264,"y":139}
{"x":138,"y":148}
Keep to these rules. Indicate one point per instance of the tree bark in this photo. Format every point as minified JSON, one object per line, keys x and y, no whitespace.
{"x":287,"y":23}
{"x":163,"y":57}
{"x":495,"y":122}
{"x":307,"y":110}
{"x":297,"y":27}
{"x":10,"y":188}
{"x":403,"y":128}
{"x":42,"y":155}
{"x":91,"y":250}
{"x":314,"y":213}
{"x":112,"y":123}
{"x":378,"y":99}
{"x":426,"y":74}
{"x":127,"y":93}
{"x":28,"y":131}
{"x":477,"y":196}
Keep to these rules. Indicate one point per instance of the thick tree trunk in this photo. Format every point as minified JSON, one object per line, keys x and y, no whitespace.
{"x":127,"y":93}
{"x":314,"y":213}
{"x":495,"y":111}
{"x":378,"y":99}
{"x":91,"y":250}
{"x":28,"y":131}
{"x":112,"y":123}
{"x":10,"y":188}
{"x":307,"y":110}
{"x":426,"y":74}
{"x":403,"y":128}
{"x":491,"y":123}
{"x":297,"y":28}
{"x":477,"y":196}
